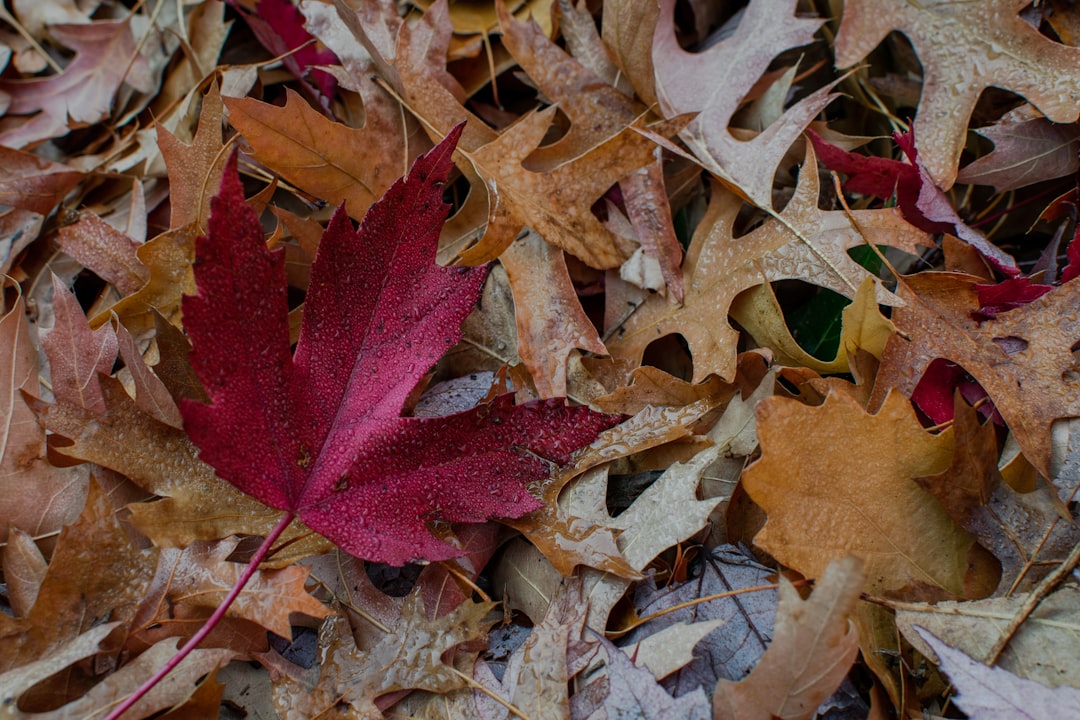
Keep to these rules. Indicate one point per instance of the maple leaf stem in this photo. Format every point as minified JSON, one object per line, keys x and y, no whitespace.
{"x":211,"y":622}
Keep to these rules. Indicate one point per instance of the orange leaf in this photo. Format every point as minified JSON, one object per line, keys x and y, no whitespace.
{"x":826,"y":499}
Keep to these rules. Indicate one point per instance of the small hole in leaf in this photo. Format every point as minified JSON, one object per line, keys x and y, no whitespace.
{"x":455,"y":193}
{"x":1011,"y":344}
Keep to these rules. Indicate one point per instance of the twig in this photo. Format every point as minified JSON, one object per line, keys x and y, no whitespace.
{"x":1037,"y":595}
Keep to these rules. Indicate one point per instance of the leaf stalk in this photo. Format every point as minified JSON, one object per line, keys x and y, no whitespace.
{"x":211,"y":622}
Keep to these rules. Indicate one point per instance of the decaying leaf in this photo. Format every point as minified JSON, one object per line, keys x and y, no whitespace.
{"x":731,"y":651}
{"x":331,"y":161}
{"x":625,"y":690}
{"x":1024,"y":153}
{"x":95,"y":572}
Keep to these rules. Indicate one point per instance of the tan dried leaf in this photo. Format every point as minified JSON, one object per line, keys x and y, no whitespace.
{"x":195,"y":170}
{"x":195,"y":504}
{"x":803,"y":242}
{"x":408,"y":657}
{"x":77,"y":355}
{"x":200,"y":576}
{"x":1043,"y":648}
{"x":506,"y":195}
{"x":1022,"y":358}
{"x":814,"y":645}
{"x":550,"y":321}
{"x":34,"y":496}
{"x":96,"y":571}
{"x":964,"y":49}
{"x":332,"y":161}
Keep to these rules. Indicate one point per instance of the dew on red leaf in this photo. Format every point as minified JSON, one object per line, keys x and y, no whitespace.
{"x":319,"y":433}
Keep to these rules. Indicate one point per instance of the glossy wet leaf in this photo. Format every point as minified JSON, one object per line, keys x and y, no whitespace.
{"x":320,"y":433}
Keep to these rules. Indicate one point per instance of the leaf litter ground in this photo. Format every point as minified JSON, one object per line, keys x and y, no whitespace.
{"x":861,"y":510}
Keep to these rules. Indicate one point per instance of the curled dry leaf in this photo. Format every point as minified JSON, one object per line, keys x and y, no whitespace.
{"x":813,"y":646}
{"x":766,"y":30}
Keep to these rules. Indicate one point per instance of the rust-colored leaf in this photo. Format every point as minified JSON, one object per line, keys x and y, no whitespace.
{"x":859,"y":497}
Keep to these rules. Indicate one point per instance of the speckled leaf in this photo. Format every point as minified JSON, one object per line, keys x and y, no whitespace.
{"x":320,"y":434}
{"x":200,"y":575}
{"x":814,"y":644}
{"x":193,"y":503}
{"x":95,"y":572}
{"x":1022,"y":357}
{"x":408,"y":657}
{"x":194,"y":169}
{"x":767,"y":29}
{"x":803,"y":242}
{"x":826,"y":500}
{"x":964,"y":49}
{"x":35,"y":496}
{"x":989,"y":693}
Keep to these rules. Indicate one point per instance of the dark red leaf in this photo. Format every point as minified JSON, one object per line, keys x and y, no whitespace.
{"x":320,"y":433}
{"x":1007,"y":295}
{"x":869,"y":175}
{"x":279,"y":27}
{"x":1072,"y":270}
{"x":942,"y":379}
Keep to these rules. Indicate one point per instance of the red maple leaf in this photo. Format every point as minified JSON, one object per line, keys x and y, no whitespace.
{"x":319,"y":433}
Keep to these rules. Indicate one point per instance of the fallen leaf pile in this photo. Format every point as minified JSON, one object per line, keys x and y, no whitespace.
{"x":539,"y":359}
